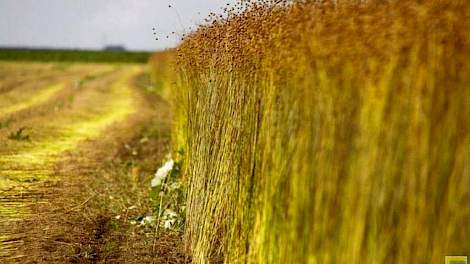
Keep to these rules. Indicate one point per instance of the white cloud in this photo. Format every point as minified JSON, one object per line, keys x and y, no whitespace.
{"x":94,"y":23}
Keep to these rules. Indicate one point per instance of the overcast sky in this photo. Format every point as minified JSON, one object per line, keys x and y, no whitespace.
{"x":92,"y":24}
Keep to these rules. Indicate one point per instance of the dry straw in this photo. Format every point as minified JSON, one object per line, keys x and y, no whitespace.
{"x":327,"y":132}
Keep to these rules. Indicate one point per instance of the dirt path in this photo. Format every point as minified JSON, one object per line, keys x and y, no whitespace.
{"x":63,"y":146}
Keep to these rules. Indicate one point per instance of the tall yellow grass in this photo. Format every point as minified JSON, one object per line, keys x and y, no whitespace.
{"x":327,"y":132}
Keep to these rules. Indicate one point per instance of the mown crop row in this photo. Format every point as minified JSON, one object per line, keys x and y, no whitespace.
{"x":326,"y":132}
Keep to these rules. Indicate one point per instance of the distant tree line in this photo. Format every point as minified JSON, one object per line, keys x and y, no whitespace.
{"x":47,"y":55}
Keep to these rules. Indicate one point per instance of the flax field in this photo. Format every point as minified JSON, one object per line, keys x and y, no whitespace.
{"x":325,"y":132}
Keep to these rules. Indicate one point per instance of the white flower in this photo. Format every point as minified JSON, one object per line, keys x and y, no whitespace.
{"x":148,"y":220}
{"x":161,"y":173}
{"x":170,"y":213}
{"x":169,"y":218}
{"x":156,"y":182}
{"x":168,"y":223}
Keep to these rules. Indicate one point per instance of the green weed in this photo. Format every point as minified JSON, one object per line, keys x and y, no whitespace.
{"x":19,"y":135}
{"x":6,"y":123}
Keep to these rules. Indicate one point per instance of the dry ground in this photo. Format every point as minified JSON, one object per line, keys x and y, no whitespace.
{"x":78,"y":146}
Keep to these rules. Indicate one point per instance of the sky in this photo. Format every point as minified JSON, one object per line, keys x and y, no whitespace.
{"x":93,"y":24}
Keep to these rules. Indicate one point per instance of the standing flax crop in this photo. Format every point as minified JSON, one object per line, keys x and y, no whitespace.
{"x":327,"y":132}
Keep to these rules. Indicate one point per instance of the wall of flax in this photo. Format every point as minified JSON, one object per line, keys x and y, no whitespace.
{"x":322,"y":133}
